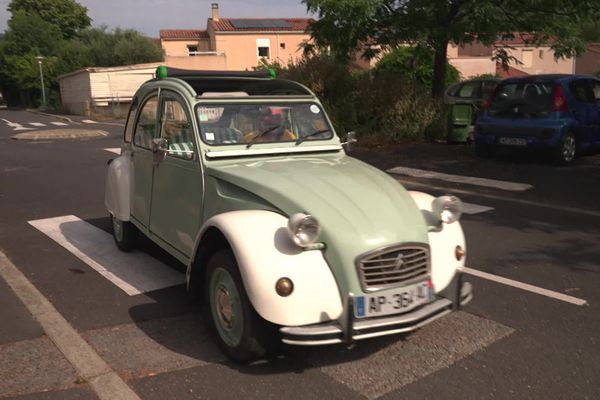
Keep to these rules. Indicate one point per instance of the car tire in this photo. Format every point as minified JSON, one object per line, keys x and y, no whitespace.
{"x":484,"y":150}
{"x":124,"y":233}
{"x":567,"y":150}
{"x":240,"y":332}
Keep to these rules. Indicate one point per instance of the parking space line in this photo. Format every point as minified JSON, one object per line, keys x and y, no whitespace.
{"x":59,"y":123}
{"x":526,"y":286}
{"x":116,"y":150}
{"x":103,"y":380}
{"x":575,"y":210}
{"x":39,"y":124}
{"x":134,"y":273}
{"x":472,"y":209}
{"x":492,"y":183}
{"x":88,"y":121}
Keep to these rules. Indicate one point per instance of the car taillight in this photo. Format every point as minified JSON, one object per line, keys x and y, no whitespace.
{"x":560,"y":100}
{"x":488,"y":102}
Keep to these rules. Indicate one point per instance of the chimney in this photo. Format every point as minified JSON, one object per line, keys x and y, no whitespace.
{"x":215,"y":11}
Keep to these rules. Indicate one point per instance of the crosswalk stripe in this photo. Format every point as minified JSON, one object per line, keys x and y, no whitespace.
{"x":492,"y":183}
{"x":88,"y":121}
{"x":59,"y":123}
{"x":37,"y":124}
{"x":134,"y":273}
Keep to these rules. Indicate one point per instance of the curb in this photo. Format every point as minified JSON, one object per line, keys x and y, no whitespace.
{"x":61,"y":117}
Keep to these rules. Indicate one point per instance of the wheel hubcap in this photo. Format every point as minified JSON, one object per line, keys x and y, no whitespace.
{"x":225,"y":307}
{"x":117,"y":228}
{"x":569,"y":148}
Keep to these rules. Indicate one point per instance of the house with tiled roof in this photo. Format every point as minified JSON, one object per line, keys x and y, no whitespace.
{"x":527,"y":58}
{"x":235,"y":43}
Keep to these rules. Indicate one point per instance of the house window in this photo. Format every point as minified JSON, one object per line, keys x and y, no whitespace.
{"x":192,"y":50}
{"x":263,"y":47}
{"x":282,"y":45}
{"x":527,"y":58}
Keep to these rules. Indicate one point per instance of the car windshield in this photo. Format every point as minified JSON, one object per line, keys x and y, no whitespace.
{"x":523,"y":99}
{"x":226,"y":124}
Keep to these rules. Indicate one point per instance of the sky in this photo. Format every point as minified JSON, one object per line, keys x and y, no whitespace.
{"x":149,"y":16}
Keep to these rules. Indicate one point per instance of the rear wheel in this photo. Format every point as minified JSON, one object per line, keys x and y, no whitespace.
{"x":238,"y":329}
{"x":124,"y":233}
{"x":565,"y":154}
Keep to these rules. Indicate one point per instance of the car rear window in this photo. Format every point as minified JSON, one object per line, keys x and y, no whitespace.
{"x":531,"y":99}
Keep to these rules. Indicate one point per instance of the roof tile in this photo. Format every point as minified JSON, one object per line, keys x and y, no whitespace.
{"x":183,"y":34}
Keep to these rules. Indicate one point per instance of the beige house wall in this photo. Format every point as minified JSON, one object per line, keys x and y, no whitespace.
{"x":472,"y":66}
{"x":241,"y":49}
{"x":200,"y":62}
{"x":588,"y":63}
{"x":541,"y":61}
{"x":75,"y":92}
{"x":179,"y":48}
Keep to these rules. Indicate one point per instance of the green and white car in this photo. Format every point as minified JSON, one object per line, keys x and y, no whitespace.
{"x":242,"y":177}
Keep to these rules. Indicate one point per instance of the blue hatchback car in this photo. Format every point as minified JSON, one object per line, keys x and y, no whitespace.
{"x":559,"y":114}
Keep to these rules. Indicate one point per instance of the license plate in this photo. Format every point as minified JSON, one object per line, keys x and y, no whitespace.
{"x":509,"y":141}
{"x":393,"y":301}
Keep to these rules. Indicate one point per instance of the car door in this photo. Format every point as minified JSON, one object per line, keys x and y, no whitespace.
{"x":146,"y":129}
{"x":178,"y":187}
{"x":585,"y":110}
{"x":595,"y":111}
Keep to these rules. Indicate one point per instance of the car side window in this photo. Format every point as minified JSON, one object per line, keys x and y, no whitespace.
{"x":581,"y":91}
{"x":177,"y":129}
{"x":145,"y":128}
{"x":469,"y":90}
{"x":596,"y":91}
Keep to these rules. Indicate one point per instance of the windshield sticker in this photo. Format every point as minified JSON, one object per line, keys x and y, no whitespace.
{"x":209,"y":136}
{"x":203,"y":117}
{"x":314,"y":109}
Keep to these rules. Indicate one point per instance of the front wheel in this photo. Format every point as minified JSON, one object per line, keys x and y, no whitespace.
{"x":565,"y":154}
{"x":124,"y":233}
{"x":237,"y":327}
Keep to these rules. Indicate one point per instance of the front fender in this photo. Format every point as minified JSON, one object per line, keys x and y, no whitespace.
{"x":265,"y":253}
{"x":443,"y":239}
{"x":117,"y":190}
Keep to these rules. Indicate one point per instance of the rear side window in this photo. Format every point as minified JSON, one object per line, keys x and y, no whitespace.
{"x":582,"y":91}
{"x":596,"y":90}
{"x":523,"y":99}
{"x":469,"y":90}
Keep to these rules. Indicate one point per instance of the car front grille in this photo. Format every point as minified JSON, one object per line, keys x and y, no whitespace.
{"x":393,"y":266}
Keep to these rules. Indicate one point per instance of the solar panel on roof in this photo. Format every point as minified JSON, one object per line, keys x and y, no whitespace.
{"x":259,"y":23}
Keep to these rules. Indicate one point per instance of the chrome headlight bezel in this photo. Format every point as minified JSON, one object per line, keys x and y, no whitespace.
{"x":447,"y":209}
{"x":303,"y":229}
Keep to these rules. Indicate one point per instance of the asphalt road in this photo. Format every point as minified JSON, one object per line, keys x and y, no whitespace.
{"x":512,"y":341}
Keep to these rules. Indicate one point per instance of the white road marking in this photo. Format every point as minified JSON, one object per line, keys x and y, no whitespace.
{"x":88,"y":121}
{"x":134,"y":273}
{"x":37,"y":124}
{"x":16,"y":126}
{"x":103,"y":380}
{"x":419,"y":173}
{"x":116,"y":150}
{"x":471,"y":209}
{"x":526,"y":286}
{"x":552,"y":207}
{"x":59,"y":123}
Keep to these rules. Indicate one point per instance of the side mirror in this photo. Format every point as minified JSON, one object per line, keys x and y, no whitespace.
{"x":350,"y":141}
{"x":160,"y":148}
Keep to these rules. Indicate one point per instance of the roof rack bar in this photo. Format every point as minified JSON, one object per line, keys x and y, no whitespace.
{"x":176,"y":72}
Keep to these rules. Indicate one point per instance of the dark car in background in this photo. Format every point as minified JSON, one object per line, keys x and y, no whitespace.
{"x":558,"y":114}
{"x":466,"y":99}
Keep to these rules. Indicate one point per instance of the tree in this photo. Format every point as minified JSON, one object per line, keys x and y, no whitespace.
{"x":68,"y":15}
{"x":382,"y":25}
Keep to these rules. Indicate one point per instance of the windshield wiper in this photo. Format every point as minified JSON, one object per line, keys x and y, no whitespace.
{"x":251,"y":142}
{"x":303,"y":138}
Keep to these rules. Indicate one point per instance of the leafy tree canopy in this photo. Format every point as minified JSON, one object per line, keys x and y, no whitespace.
{"x":382,"y":25}
{"x":68,"y":15}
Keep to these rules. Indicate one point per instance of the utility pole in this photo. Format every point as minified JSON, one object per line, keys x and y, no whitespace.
{"x":40,"y":58}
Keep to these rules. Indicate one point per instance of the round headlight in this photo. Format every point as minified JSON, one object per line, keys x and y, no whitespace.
{"x":304,"y":229}
{"x":447,"y":209}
